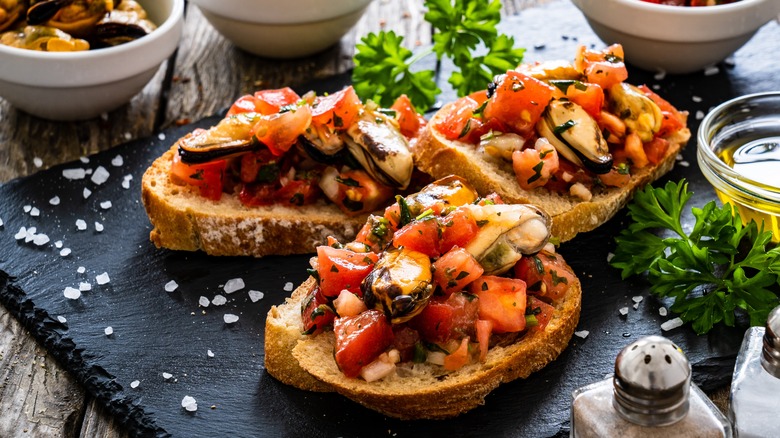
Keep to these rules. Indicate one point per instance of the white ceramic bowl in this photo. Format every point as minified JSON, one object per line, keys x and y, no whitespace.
{"x":677,"y":39}
{"x":283,"y":29}
{"x":71,"y":86}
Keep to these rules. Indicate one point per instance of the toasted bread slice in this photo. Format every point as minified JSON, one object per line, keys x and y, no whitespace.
{"x":438,"y":156}
{"x":421,"y":391}
{"x":184,"y":220}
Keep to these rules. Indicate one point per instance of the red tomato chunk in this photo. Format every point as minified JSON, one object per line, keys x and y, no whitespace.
{"x":361,"y":339}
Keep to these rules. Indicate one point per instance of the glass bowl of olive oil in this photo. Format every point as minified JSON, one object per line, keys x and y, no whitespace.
{"x":739,"y":154}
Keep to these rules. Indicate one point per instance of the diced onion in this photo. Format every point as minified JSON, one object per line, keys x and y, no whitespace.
{"x":436,"y":357}
{"x":379,"y":368}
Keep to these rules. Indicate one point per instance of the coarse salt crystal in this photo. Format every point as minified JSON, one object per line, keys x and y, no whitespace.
{"x":624,"y":311}
{"x":84,"y":286}
{"x":711,"y":70}
{"x":55,"y":200}
{"x":671,"y":324}
{"x":81,"y":225}
{"x":81,"y":270}
{"x":288,"y":286}
{"x":128,"y":136}
{"x":219,"y":300}
{"x":41,"y":239}
{"x":210,"y":353}
{"x":105,"y":205}
{"x":100,"y":176}
{"x":102,"y":278}
{"x":134,"y":384}
{"x":662,"y":311}
{"x":86,"y":193}
{"x":72,"y":174}
{"x":203,"y":301}
{"x":38,"y":162}
{"x":230,"y":318}
{"x":189,"y":403}
{"x":108,"y":331}
{"x":660,"y":75}
{"x":609,"y":256}
{"x":117,"y":161}
{"x":161,"y":136}
{"x":126,"y":181}
{"x":72,"y":293}
{"x":62,"y":319}
{"x":656,"y":87}
{"x":64,"y":252}
{"x":84,"y":160}
{"x":699,"y":115}
{"x":582,"y":334}
{"x":98,"y":227}
{"x":255,"y":295}
{"x":696,"y":99}
{"x":21,"y":234}
{"x":171,"y":286}
{"x":167,"y":376}
{"x":30,"y":234}
{"x":27,"y":208}
{"x":637,"y":299}
{"x":233,"y":285}
{"x":684,"y":163}
{"x":1,"y":222}
{"x":34,"y":212}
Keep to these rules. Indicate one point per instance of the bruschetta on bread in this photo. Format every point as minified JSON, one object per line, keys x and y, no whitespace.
{"x":434,"y":304}
{"x":575,"y":138}
{"x":280,"y":173}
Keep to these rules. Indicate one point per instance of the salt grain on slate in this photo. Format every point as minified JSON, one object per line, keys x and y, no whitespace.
{"x":699,"y":115}
{"x":189,"y":403}
{"x":21,"y":234}
{"x":230,"y":318}
{"x":203,"y":301}
{"x":72,"y":174}
{"x":84,"y":160}
{"x":582,"y":334}
{"x":288,"y":286}
{"x":84,"y":286}
{"x":62,"y":319}
{"x":711,"y":70}
{"x":100,"y":176}
{"x":233,"y":285}
{"x":219,"y":300}
{"x":255,"y":295}
{"x":71,"y":293}
{"x":81,"y":270}
{"x":696,"y":99}
{"x":117,"y":161}
{"x":64,"y":252}
{"x":55,"y":200}
{"x":34,"y":212}
{"x":98,"y":227}
{"x":30,"y":234}
{"x":81,"y":225}
{"x":134,"y":384}
{"x":637,"y":299}
{"x":105,"y":205}
{"x":210,"y":353}
{"x":660,"y":75}
{"x":161,"y":136}
{"x":87,"y":193}
{"x":37,"y":162}
{"x":171,"y":286}
{"x":126,"y":181}
{"x":41,"y":239}
{"x":624,"y":311}
{"x":662,"y":311}
{"x":671,"y":324}
{"x":27,"y":208}
{"x":109,"y":331}
{"x":102,"y":278}
{"x":167,"y":376}
{"x":1,"y":222}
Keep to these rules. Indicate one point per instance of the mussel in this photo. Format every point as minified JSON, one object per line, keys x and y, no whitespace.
{"x":400,"y":284}
{"x":451,"y":190}
{"x":548,"y":70}
{"x":231,"y":136}
{"x":575,"y":135}
{"x":638,"y":112}
{"x":127,"y":22}
{"x":44,"y":39}
{"x":507,"y":232}
{"x":377,"y":143}
{"x":75,"y":17}
{"x":11,"y":12}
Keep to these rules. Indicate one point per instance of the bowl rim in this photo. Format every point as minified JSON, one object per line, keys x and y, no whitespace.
{"x":177,"y":13}
{"x":690,"y":10}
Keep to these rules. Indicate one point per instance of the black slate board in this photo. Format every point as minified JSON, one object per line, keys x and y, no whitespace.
{"x":156,"y":331}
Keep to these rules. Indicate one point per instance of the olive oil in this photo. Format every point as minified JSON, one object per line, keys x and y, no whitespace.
{"x":757,"y":158}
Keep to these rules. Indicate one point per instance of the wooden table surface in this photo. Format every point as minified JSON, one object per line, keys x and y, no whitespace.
{"x":38,"y":398}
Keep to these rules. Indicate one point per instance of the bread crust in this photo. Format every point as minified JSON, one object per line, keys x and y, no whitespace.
{"x":423,"y":392}
{"x":184,"y":220}
{"x":438,"y":156}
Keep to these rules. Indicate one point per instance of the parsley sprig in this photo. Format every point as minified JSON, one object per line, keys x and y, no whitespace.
{"x":719,"y":268}
{"x":383,"y":67}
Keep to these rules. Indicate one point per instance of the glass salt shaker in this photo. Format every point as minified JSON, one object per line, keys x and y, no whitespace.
{"x":755,"y":388}
{"x":650,"y":395}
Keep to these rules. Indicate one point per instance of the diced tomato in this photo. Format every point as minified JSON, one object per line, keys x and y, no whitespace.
{"x":458,"y":119}
{"x":567,"y":175}
{"x":376,"y":233}
{"x":206,"y":176}
{"x":545,"y":274}
{"x":271,"y":101}
{"x":447,"y":318}
{"x":340,"y":269}
{"x":354,"y":191}
{"x":348,"y":304}
{"x":673,"y":120}
{"x":492,"y":198}
{"x":279,"y":131}
{"x":244,"y":104}
{"x":502,"y":301}
{"x":484,"y":329}
{"x":655,"y":149}
{"x":616,"y":177}
{"x":420,"y":235}
{"x":635,"y":151}
{"x":361,"y":339}
{"x":456,"y":359}
{"x":605,"y":68}
{"x":338,"y":110}
{"x":409,"y":120}
{"x":455,"y":270}
{"x":534,"y":166}
{"x":297,"y":192}
{"x":393,"y":215}
{"x":542,"y":311}
{"x":404,"y":340}
{"x":253,"y":162}
{"x":458,"y":228}
{"x":589,"y":96}
{"x":518,"y":101}
{"x":316,"y":314}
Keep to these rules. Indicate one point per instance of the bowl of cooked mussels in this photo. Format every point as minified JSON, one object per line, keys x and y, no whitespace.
{"x":77,"y":59}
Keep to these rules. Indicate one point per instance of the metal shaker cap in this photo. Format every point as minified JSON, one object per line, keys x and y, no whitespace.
{"x":652,"y":382}
{"x":770,"y":356}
